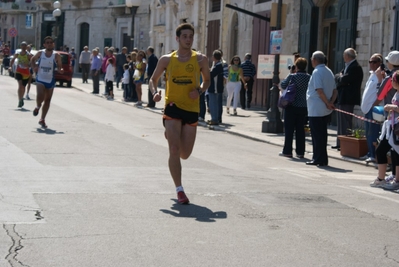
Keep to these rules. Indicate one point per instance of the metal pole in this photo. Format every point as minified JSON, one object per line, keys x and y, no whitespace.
{"x":273,"y":123}
{"x":134,"y":10}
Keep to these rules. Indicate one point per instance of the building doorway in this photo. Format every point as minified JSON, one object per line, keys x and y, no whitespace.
{"x":330,"y":32}
{"x":84,"y":38}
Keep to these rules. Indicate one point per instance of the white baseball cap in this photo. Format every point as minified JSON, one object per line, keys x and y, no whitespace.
{"x":393,"y":58}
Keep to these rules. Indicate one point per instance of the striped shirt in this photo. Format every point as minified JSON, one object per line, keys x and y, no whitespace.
{"x":248,"y":69}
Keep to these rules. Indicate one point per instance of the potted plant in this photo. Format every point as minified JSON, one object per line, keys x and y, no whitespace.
{"x":354,"y":144}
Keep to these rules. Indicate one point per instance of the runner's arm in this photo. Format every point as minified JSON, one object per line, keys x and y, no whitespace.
{"x":33,"y":61}
{"x":206,"y":76}
{"x":159,"y":69}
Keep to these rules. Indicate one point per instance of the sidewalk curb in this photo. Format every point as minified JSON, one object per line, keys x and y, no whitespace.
{"x":229,"y":131}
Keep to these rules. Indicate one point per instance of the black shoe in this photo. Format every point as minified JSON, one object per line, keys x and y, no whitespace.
{"x":315,"y":163}
{"x":336,"y":147}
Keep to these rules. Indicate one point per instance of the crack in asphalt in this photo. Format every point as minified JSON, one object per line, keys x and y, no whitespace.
{"x":386,"y":255}
{"x":15,"y":247}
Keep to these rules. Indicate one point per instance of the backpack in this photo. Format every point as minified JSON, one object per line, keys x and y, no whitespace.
{"x":288,"y":95}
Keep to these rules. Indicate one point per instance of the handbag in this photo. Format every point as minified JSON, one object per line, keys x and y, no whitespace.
{"x":288,"y":95}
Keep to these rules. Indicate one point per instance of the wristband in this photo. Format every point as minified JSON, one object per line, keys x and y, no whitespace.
{"x":155,"y":92}
{"x":199,"y":91}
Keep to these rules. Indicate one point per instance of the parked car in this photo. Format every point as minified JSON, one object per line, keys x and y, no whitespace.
{"x":66,"y":77}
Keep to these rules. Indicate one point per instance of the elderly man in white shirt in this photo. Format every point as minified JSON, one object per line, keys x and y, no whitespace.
{"x":320,"y":99}
{"x":368,"y":99}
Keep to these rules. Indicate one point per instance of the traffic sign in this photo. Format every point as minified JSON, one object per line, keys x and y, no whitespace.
{"x":12,"y":32}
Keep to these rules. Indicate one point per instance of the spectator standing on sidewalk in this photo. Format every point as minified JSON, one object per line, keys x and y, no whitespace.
{"x":109,"y":53}
{"x":349,"y":82}
{"x":84,"y":63}
{"x":183,"y":69}
{"x":216,"y":88}
{"x":95,"y":71}
{"x":249,"y":73}
{"x":233,"y":86}
{"x":139,"y":75}
{"x":385,"y":95}
{"x":388,"y":140}
{"x":295,"y":114}
{"x":151,"y":64}
{"x":109,"y":79}
{"x":368,"y":99}
{"x":132,"y":68}
{"x":125,"y":83}
{"x":121,"y":60}
{"x":320,"y":97}
{"x":73,"y":58}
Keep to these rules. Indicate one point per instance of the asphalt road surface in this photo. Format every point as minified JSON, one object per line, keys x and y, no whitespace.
{"x":94,"y":189}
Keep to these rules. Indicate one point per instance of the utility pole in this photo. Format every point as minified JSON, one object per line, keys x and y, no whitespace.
{"x":273,"y":123}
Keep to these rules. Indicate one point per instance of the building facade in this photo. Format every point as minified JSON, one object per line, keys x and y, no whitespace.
{"x":328,"y":25}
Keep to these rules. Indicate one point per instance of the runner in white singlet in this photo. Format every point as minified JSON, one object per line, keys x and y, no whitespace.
{"x":43,"y":63}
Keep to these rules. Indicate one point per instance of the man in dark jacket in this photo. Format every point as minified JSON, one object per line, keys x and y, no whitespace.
{"x":349,"y":82}
{"x":121,"y":60}
{"x":152,"y":62}
{"x":215,"y":90}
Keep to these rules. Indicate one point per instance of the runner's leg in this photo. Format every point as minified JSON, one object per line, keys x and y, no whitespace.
{"x":173,"y":129}
{"x":48,"y":93}
{"x":187,"y":140}
{"x":21,"y":90}
{"x":39,"y":94}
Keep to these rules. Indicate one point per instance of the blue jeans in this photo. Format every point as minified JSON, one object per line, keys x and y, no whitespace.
{"x":214,"y":101}
{"x":372,"y":132}
{"x":202,"y":106}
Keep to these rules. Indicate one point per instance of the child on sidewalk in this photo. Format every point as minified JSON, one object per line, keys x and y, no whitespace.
{"x":109,"y":79}
{"x":125,"y":83}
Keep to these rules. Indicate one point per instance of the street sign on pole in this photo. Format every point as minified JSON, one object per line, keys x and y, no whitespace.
{"x":276,"y":41}
{"x":12,"y":32}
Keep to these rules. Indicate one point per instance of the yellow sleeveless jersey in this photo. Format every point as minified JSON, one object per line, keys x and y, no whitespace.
{"x":181,"y":79}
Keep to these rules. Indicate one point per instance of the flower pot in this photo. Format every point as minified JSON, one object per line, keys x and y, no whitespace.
{"x":353,"y":147}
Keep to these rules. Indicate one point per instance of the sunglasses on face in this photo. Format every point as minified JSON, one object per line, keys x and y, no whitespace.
{"x":373,"y":62}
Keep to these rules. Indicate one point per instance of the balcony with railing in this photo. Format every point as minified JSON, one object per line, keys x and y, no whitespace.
{"x":17,"y":6}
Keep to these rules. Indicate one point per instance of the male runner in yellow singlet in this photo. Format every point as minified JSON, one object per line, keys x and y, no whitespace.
{"x":22,"y":72}
{"x":183,"y":69}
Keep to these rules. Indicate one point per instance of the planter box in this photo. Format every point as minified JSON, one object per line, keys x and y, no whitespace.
{"x":353,"y":147}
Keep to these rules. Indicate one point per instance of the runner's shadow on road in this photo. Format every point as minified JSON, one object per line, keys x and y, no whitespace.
{"x":201,"y":214}
{"x":23,"y":110}
{"x":47,"y":131}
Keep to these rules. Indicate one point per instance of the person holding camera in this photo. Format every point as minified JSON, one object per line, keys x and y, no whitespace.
{"x":295,"y":114}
